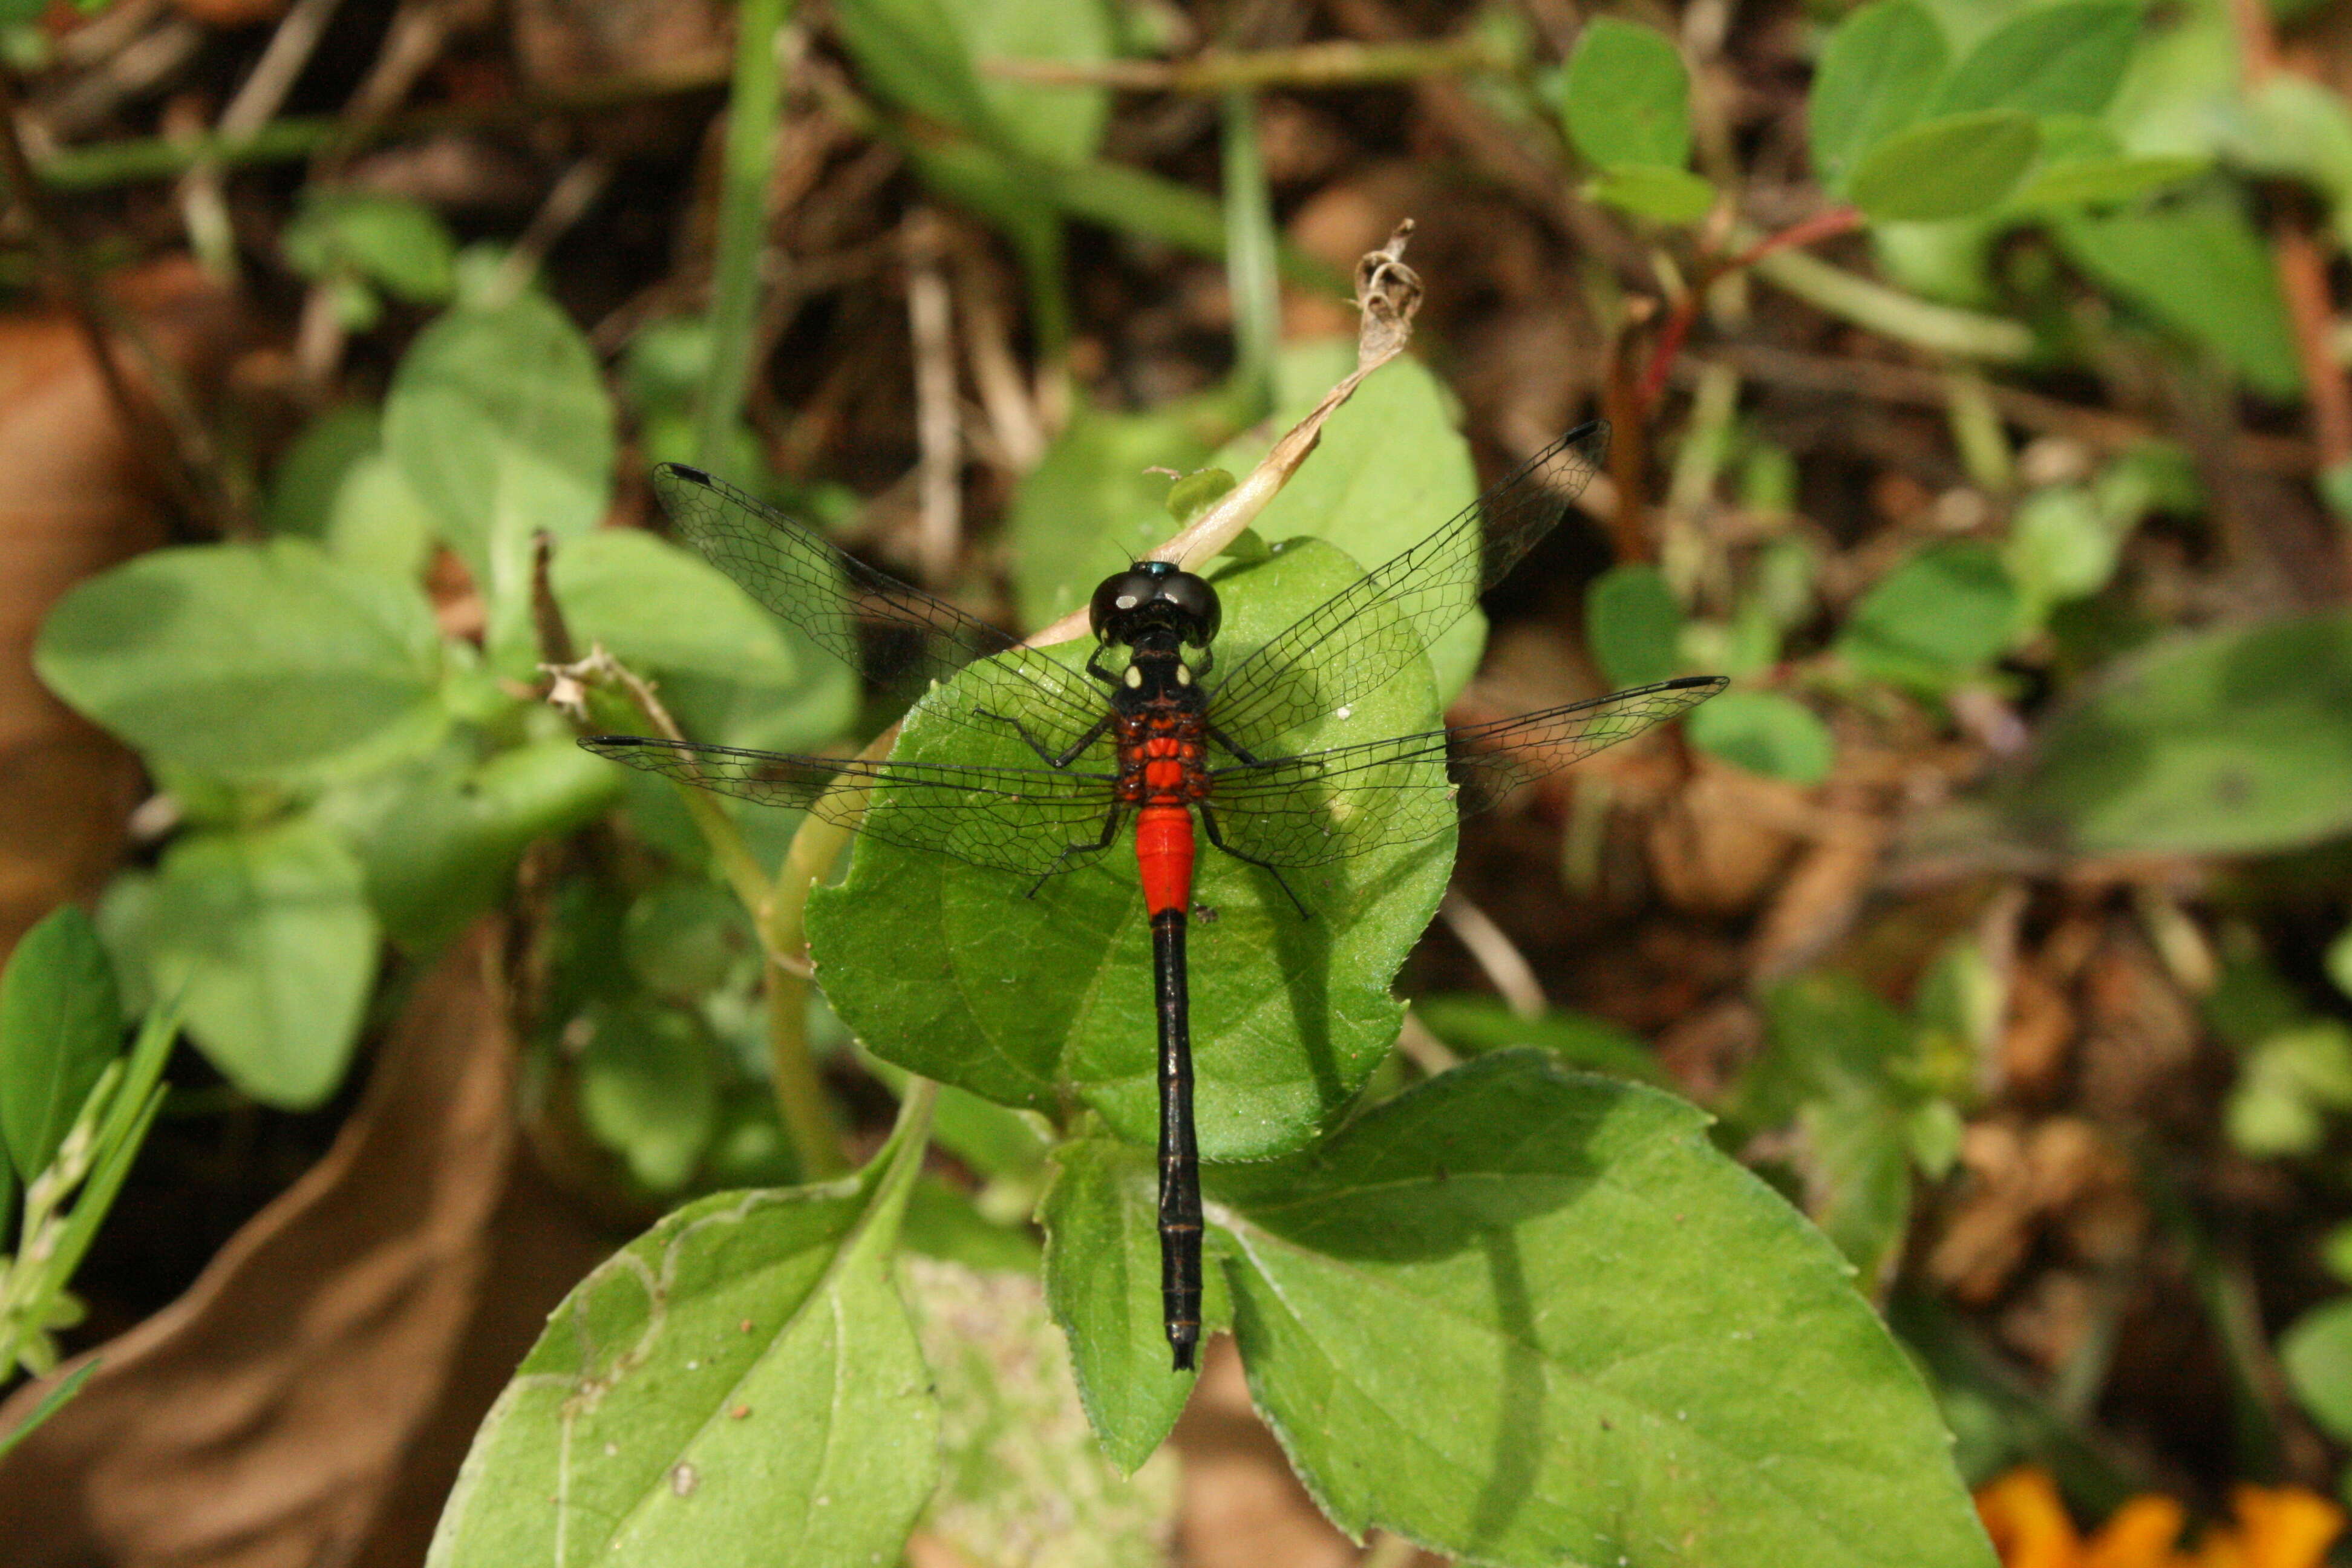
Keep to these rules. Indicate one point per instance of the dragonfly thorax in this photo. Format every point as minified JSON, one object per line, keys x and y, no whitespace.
{"x":1155,"y":596}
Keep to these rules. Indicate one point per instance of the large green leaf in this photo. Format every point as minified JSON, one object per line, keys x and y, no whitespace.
{"x":1947,"y":167}
{"x":1102,"y":1280}
{"x":60,"y":1024}
{"x":1877,"y":71}
{"x":740,"y":1387}
{"x":265,"y":937}
{"x":248,"y":661}
{"x":1939,"y":616}
{"x":2230,"y":741}
{"x":2200,"y":267}
{"x":952,"y":972}
{"x":1627,"y":97}
{"x":731,"y":672}
{"x":1092,"y":505}
{"x":1642,"y":1357}
{"x":500,"y":421}
{"x":2066,"y":58}
{"x":930,"y":55}
{"x":1390,"y":468}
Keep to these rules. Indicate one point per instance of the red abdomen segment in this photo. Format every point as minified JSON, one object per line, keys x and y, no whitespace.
{"x":1163,"y":853}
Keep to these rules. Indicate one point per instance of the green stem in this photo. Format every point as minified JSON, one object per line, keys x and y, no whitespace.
{"x":754,"y":107}
{"x":901,"y":1160}
{"x":1250,"y":252}
{"x":1895,"y":313}
{"x":791,"y":1066}
{"x":1336,"y":63}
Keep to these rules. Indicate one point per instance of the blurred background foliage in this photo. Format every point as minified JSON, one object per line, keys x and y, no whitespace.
{"x":1982,"y":405}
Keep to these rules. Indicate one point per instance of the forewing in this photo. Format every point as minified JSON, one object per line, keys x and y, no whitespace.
{"x":1030,"y":821}
{"x":1354,"y":641}
{"x":898,"y":636}
{"x":1321,"y":807}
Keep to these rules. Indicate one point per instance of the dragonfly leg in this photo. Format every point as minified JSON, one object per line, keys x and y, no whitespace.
{"x":1101,"y":727}
{"x":1209,"y":826}
{"x":1109,"y":832}
{"x":1220,"y":738}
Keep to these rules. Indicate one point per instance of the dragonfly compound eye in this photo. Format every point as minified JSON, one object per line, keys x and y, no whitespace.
{"x":1154,"y":594}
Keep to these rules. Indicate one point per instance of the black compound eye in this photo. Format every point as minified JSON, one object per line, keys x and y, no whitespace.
{"x":1196,"y":601}
{"x":1118,"y":600}
{"x":1154,"y":594}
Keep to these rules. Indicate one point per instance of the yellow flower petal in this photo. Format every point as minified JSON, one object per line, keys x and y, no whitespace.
{"x":2140,"y":1535}
{"x":2285,"y":1527}
{"x":2027,"y":1520}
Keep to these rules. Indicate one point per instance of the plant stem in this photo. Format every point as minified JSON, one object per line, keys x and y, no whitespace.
{"x":1336,"y":63}
{"x":1250,"y":252}
{"x":1677,"y":330}
{"x":754,"y":107}
{"x":1893,"y":313}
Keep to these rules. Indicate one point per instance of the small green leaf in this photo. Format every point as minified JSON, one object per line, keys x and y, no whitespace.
{"x":650,"y":1427}
{"x":1632,"y":621}
{"x":2066,"y":58}
{"x":265,"y":937}
{"x":500,"y":421}
{"x":2200,"y":267}
{"x":1877,"y":72}
{"x":1196,"y":493}
{"x":2230,"y":741}
{"x":731,"y":672}
{"x":2295,"y":127}
{"x":1941,"y":615}
{"x":60,"y":1024}
{"x":930,"y":56}
{"x":1653,"y":191}
{"x":1641,"y":1353}
{"x":303,"y":487}
{"x":398,"y":244}
{"x":2104,"y":181}
{"x":2317,"y":1355}
{"x":1626,"y":97}
{"x":648,"y":1090}
{"x":1482,"y":1024}
{"x":2061,"y":546}
{"x":248,"y":661}
{"x":1765,"y":733}
{"x":2285,"y":1087}
{"x":2339,"y":960}
{"x":1947,"y":167}
{"x":1102,"y":1280}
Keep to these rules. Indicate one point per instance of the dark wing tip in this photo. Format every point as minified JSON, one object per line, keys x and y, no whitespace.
{"x":1687,"y":682}
{"x":680,"y":472}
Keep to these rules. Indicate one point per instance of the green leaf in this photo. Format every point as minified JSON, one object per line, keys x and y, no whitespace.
{"x":2109,"y":180}
{"x":1642,"y":1355}
{"x":398,"y":244}
{"x":1947,"y":167}
{"x":1877,"y":71}
{"x":2230,"y":741}
{"x":60,"y":1024}
{"x":440,"y":838}
{"x":1091,"y":506}
{"x":648,"y":1425}
{"x":2200,"y":268}
{"x":1390,"y":468}
{"x":1633,"y":622}
{"x":928,"y":55}
{"x":1102,"y":1281}
{"x":2317,"y":1355}
{"x":265,"y":937}
{"x":2293,"y":127}
{"x":1482,"y":1024}
{"x":1939,"y":616}
{"x":1626,"y":97}
{"x":248,"y":661}
{"x":51,"y":1402}
{"x":648,"y":1090}
{"x":953,"y":971}
{"x":1653,"y":191}
{"x":1765,"y":733}
{"x":731,"y":672}
{"x":2285,"y":1087}
{"x":2339,"y":960}
{"x":498,"y":420}
{"x":2066,"y":58}
{"x":303,"y":487}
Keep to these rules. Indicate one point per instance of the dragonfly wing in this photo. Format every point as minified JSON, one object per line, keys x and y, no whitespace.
{"x":1351,"y":644}
{"x":1321,"y":807}
{"x":1030,"y":821}
{"x":837,"y":599}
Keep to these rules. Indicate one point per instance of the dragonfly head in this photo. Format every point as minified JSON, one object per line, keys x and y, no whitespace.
{"x":1155,"y":593}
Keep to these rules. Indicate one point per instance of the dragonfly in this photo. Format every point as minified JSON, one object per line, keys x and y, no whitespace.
{"x":1151,"y":729}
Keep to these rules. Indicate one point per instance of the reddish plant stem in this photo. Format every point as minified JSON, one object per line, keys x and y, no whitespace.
{"x":1676,"y":331}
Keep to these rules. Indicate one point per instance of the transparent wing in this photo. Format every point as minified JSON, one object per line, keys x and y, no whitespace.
{"x":1321,"y":807}
{"x":898,"y":636}
{"x":1032,"y":821}
{"x":1349,"y":646}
